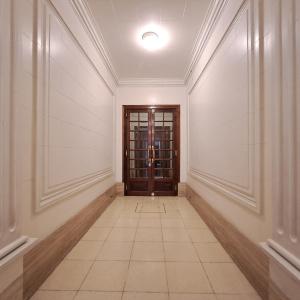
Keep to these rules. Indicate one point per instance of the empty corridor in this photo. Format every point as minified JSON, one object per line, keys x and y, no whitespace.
{"x":147,"y":248}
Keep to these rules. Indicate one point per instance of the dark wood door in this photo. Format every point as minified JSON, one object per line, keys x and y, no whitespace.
{"x":151,"y":156}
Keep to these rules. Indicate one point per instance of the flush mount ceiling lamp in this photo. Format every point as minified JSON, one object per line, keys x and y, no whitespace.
{"x":153,"y":37}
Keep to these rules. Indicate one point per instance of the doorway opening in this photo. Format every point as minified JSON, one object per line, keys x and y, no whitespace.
{"x":151,"y":150}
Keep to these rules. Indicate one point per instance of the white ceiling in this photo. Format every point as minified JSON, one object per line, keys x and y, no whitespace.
{"x":118,"y":21}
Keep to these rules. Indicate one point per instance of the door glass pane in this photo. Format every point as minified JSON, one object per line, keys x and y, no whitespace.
{"x":159,"y":125}
{"x":163,"y":173}
{"x":134,"y":125}
{"x":134,"y":116}
{"x":138,"y":173}
{"x":143,"y":117}
{"x":158,"y":116}
{"x":163,"y":145}
{"x":143,"y":126}
{"x":139,"y":154}
{"x":168,"y":126}
{"x":168,"y":116}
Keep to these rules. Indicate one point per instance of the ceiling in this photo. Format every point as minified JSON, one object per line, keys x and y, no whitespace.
{"x":118,"y":22}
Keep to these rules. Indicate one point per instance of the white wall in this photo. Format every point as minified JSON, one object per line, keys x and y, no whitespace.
{"x":142,"y":95}
{"x":65,"y":116}
{"x":229,"y":149}
{"x":58,"y":99}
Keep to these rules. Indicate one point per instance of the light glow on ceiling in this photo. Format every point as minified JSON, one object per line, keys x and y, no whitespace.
{"x":153,"y":37}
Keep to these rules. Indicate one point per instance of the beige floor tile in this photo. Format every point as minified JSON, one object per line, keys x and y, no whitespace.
{"x":146,"y":277}
{"x":127,"y":222}
{"x":50,"y":295}
{"x":172,"y":223}
{"x":144,"y":296}
{"x":181,"y":251}
{"x":106,"y":276}
{"x":175,"y":235}
{"x":129,"y":214}
{"x":115,"y":251}
{"x":194,"y":223}
{"x":226,"y":278}
{"x":122,"y":235}
{"x":150,"y":216}
{"x":85,"y":295}
{"x":68,"y":275}
{"x":187,"y":278}
{"x":201,"y":235}
{"x":238,"y":297}
{"x":148,"y":251}
{"x":105,"y":222}
{"x":212,"y":252}
{"x":148,"y":235}
{"x":173,"y":214}
{"x":97,"y":234}
{"x":192,"y":297}
{"x":152,"y":223}
{"x":85,"y":250}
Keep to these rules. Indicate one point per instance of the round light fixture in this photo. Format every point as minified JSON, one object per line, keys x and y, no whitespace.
{"x":153,"y":37}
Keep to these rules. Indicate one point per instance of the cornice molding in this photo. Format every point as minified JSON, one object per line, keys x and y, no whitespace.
{"x":212,"y":16}
{"x":151,"y":82}
{"x":84,"y":12}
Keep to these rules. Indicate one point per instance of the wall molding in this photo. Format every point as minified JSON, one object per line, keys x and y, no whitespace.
{"x":46,"y":195}
{"x":45,"y":256}
{"x":284,"y":246}
{"x":8,"y":206}
{"x":249,"y":195}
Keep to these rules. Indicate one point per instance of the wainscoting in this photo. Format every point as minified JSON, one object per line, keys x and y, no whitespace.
{"x":46,"y":255}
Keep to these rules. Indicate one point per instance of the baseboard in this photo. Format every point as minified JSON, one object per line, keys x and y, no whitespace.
{"x":40,"y":261}
{"x":248,"y":256}
{"x":14,"y":291}
{"x":120,"y":188}
{"x":181,"y":189}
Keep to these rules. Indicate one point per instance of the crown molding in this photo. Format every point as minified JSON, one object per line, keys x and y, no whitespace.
{"x":151,"y":82}
{"x":84,"y":12}
{"x":213,"y":14}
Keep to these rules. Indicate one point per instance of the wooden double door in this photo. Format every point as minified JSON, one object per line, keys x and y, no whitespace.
{"x":151,"y":156}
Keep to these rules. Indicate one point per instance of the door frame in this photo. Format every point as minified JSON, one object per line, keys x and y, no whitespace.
{"x":156,"y":106}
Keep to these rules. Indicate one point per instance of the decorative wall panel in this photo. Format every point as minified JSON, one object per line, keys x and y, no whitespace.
{"x":284,"y":247}
{"x":74,"y":113}
{"x":9,"y":230}
{"x":225,"y":107}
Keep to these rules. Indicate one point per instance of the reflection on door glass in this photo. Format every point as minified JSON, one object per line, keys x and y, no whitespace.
{"x":168,"y":125}
{"x":143,"y":126}
{"x":138,"y":173}
{"x":138,"y":154}
{"x":163,"y":173}
{"x":134,"y":125}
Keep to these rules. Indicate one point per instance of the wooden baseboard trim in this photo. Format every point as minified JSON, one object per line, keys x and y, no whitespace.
{"x":40,"y":261}
{"x":248,"y":256}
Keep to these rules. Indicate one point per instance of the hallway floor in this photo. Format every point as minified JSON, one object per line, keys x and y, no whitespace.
{"x":149,"y":249}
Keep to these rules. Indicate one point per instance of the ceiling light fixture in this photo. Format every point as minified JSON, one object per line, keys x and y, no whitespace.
{"x":153,"y":37}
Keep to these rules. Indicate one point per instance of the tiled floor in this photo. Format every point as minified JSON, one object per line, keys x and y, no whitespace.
{"x":149,"y":249}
